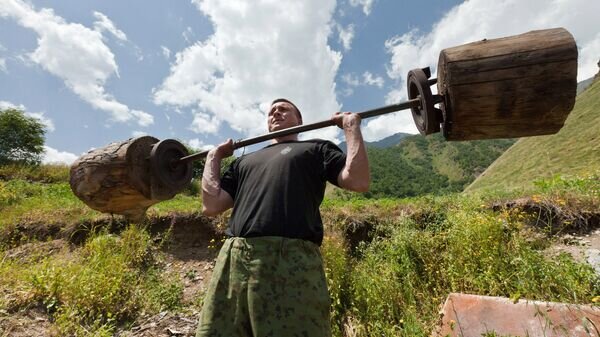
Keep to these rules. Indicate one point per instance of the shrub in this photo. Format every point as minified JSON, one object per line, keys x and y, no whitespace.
{"x":447,"y":244}
{"x":109,"y":281}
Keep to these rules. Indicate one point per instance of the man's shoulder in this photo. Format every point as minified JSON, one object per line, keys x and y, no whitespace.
{"x":318,"y":141}
{"x":325,"y":144}
{"x":315,"y":145}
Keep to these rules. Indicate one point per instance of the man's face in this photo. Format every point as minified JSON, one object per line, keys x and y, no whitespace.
{"x":282,"y":115}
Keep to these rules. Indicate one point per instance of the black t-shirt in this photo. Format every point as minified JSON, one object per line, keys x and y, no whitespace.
{"x":278,"y":189}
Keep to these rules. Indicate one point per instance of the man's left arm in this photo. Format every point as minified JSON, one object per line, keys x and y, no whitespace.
{"x":355,"y":175}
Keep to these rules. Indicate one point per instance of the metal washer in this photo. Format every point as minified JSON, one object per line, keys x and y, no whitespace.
{"x":165,"y":165}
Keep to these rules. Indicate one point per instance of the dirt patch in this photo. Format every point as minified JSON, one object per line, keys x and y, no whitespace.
{"x":27,"y":231}
{"x":191,"y":244}
{"x":30,"y":323}
{"x":583,"y":248}
{"x":553,"y":217}
{"x":35,"y":251}
{"x":572,"y":230}
{"x":164,"y":325}
{"x":358,"y":231}
{"x":182,"y":227}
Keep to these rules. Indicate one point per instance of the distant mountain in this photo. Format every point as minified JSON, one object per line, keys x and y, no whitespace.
{"x":581,"y":86}
{"x":575,"y":149}
{"x":420,"y":165}
{"x":392,"y":140}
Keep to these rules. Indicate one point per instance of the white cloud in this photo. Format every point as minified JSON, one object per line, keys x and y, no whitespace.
{"x":47,"y":122}
{"x":166,"y":52}
{"x":477,"y":19}
{"x":366,"y":5}
{"x":369,"y":79}
{"x":589,"y":58}
{"x":386,"y":125}
{"x":199,"y":145}
{"x":258,"y":52}
{"x":138,"y":133}
{"x":345,"y":36}
{"x":353,"y":81}
{"x":8,"y":105}
{"x":204,"y":123}
{"x":143,"y":119}
{"x":77,"y":55}
{"x":188,"y":34}
{"x":3,"y":60}
{"x":53,"y":156}
{"x":105,"y":24}
{"x":43,"y":119}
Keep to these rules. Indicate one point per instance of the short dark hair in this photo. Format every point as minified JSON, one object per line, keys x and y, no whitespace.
{"x":290,"y":102}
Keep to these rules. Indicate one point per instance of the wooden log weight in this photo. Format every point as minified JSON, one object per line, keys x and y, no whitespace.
{"x":510,"y":87}
{"x":118,"y":178}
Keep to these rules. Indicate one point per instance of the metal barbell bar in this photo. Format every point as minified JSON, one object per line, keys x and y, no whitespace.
{"x":172,"y":165}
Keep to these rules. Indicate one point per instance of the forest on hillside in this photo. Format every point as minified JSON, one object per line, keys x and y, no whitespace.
{"x":421,"y":165}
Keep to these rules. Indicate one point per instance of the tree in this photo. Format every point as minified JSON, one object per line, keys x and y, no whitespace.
{"x":21,"y":138}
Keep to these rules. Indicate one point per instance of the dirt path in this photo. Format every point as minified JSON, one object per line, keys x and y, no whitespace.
{"x":583,"y":248}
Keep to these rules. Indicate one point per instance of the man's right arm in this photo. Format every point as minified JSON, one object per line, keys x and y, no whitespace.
{"x":215,"y":200}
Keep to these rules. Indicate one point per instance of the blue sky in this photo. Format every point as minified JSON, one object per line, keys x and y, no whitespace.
{"x":202,"y":71}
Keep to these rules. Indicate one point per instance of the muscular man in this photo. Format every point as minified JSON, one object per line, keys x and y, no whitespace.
{"x":268,"y":279}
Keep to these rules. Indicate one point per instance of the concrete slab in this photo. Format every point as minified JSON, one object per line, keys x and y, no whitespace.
{"x":473,"y":316}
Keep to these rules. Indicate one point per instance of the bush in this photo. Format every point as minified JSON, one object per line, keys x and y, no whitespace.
{"x":109,"y":282}
{"x":446,"y":244}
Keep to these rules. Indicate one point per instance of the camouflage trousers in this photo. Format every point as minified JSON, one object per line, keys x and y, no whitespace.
{"x":266,"y":286}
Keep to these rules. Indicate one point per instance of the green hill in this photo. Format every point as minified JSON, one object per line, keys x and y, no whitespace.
{"x":382,"y":143}
{"x":575,"y":150}
{"x":429,"y":165}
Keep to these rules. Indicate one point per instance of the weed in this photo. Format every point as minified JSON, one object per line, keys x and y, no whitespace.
{"x":446,"y":244}
{"x":52,"y":173}
{"x":110,"y":280}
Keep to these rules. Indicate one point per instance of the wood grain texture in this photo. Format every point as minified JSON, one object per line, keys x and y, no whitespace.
{"x":116,"y":178}
{"x":516,"y":86}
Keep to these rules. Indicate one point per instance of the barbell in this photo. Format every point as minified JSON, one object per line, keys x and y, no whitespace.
{"x":171,"y":163}
{"x":518,"y":86}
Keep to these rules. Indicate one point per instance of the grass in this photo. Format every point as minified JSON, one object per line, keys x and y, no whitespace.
{"x":109,"y":280}
{"x":41,"y":173}
{"x":390,"y":263}
{"x":575,"y":150}
{"x":23,"y":201}
{"x":180,"y":203}
{"x":394,"y":283}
